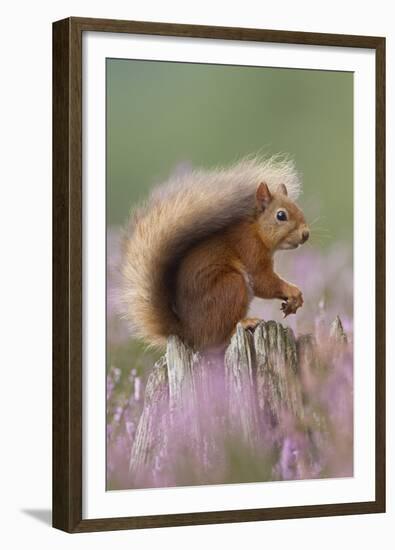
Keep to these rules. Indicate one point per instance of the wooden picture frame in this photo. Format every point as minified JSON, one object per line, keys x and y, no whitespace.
{"x":67,"y":274}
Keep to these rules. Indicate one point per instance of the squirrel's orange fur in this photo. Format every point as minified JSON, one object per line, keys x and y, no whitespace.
{"x":202,"y":248}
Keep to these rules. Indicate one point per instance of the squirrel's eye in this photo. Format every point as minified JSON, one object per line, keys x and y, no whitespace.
{"x":281,"y":216}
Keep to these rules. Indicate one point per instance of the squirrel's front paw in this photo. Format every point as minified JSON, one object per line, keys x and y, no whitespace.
{"x":293,"y":301}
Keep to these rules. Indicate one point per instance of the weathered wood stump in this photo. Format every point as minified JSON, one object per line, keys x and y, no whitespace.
{"x":262,"y":374}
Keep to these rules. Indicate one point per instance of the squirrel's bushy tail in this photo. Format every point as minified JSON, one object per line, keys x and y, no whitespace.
{"x":178,"y":214}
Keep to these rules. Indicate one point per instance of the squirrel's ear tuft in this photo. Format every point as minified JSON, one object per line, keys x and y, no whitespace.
{"x":282,"y":189}
{"x":263,"y":196}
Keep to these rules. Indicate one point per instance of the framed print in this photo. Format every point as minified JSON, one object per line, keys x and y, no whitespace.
{"x":218,"y":274}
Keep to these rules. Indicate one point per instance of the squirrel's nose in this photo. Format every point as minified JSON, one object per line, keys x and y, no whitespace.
{"x":305,"y":235}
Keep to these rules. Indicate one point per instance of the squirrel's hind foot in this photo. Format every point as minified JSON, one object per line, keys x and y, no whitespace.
{"x":250,"y":323}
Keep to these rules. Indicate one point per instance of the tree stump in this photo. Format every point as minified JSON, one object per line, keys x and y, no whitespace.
{"x":263,"y":375}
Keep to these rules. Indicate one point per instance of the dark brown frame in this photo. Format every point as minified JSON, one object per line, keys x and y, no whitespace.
{"x":67,"y":273}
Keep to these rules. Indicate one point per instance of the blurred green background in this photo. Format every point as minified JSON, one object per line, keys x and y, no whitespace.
{"x":162,"y":114}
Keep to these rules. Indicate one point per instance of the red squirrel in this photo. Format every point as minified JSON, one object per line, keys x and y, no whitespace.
{"x":202,"y":247}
